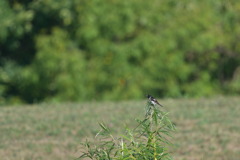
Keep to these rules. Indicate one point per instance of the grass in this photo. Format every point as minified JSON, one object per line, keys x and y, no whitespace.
{"x":206,"y":128}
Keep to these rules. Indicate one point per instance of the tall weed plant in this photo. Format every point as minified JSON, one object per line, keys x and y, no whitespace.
{"x":149,"y":140}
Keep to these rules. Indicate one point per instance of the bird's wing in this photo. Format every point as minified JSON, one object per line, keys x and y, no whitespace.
{"x":158,"y":103}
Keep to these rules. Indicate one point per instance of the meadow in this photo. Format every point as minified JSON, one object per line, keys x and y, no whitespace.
{"x":207,"y":128}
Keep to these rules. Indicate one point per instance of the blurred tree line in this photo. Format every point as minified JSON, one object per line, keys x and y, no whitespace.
{"x":71,"y":50}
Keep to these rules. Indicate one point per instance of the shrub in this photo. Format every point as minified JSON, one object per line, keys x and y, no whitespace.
{"x":148,"y":141}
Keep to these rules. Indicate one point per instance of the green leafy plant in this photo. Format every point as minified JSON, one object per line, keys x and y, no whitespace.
{"x":149,"y":140}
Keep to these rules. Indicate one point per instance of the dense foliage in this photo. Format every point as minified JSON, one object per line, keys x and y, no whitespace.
{"x":117,"y":49}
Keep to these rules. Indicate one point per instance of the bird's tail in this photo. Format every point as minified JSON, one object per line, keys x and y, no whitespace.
{"x":160,"y":105}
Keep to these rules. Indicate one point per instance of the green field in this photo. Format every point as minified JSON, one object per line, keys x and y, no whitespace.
{"x":207,"y":129}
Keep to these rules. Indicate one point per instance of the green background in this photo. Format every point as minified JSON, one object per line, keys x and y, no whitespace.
{"x":81,"y":50}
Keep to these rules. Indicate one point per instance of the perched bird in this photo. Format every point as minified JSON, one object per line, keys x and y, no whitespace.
{"x":153,"y":101}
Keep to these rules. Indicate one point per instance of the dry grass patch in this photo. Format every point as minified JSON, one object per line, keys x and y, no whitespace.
{"x":206,"y":128}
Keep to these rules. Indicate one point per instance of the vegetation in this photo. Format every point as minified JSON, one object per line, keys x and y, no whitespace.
{"x":109,"y":50}
{"x":206,"y":128}
{"x":147,"y":141}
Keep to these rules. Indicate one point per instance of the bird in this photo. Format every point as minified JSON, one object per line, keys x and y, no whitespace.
{"x":153,"y":101}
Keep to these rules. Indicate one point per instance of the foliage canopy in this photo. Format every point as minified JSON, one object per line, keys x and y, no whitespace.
{"x":97,"y":50}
